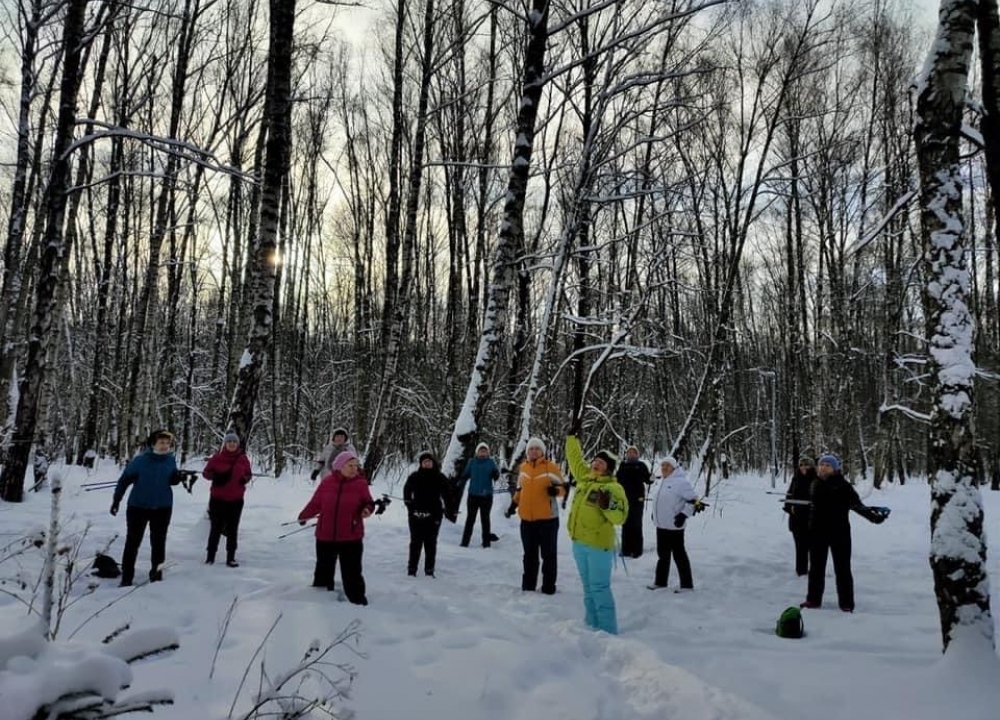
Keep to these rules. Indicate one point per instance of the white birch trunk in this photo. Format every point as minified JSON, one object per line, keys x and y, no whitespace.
{"x":958,"y":546}
{"x":511,"y":231}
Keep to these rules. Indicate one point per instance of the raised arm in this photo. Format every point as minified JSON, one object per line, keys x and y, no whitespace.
{"x":578,"y":467}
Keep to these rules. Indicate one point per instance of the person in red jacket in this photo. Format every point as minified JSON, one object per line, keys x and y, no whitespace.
{"x":229,"y":471}
{"x":342,"y":501}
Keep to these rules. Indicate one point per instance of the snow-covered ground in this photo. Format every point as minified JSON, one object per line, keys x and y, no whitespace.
{"x":470,"y":645}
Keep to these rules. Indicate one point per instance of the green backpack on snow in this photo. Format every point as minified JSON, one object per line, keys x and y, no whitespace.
{"x":790,"y":624}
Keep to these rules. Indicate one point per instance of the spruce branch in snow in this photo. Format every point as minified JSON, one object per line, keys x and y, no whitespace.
{"x":140,"y":644}
{"x":96,"y":708}
{"x":115,"y":633}
{"x":42,"y":678}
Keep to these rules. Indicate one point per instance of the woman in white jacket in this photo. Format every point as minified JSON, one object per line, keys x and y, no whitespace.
{"x":675,"y":503}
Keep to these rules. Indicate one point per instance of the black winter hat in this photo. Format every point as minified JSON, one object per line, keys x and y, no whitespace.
{"x":426,"y":455}
{"x":609,"y":459}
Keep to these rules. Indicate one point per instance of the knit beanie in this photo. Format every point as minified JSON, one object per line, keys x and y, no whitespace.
{"x":831,"y":460}
{"x":482,"y":446}
{"x":231,"y":437}
{"x":340,"y":431}
{"x":342,"y":459}
{"x":609,"y":459}
{"x":671,"y":461}
{"x":536,"y":442}
{"x":806,"y":460}
{"x":426,"y":455}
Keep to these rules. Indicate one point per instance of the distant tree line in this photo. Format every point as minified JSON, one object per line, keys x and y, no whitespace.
{"x":693,"y":224}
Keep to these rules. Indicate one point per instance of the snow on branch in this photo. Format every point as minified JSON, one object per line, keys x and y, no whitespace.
{"x":140,"y":644}
{"x":58,"y":681}
{"x":185,"y":150}
{"x":907,"y":411}
{"x":879,"y":228}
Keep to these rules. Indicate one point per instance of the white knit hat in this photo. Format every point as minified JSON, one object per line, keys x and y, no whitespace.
{"x":536,"y":442}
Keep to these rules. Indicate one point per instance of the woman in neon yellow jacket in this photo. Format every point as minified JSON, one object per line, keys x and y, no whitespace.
{"x":598,"y":505}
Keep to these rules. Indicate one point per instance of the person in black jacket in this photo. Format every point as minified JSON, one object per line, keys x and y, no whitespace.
{"x":799,"y":492}
{"x":425,"y":493}
{"x":634,"y":476}
{"x":830,"y":530}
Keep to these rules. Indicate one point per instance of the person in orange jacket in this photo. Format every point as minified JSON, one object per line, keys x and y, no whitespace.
{"x":536,"y":500}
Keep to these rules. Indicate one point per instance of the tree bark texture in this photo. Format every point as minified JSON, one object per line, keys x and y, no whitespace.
{"x":958,"y":547}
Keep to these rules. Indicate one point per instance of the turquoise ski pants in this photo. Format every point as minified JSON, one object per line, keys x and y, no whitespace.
{"x":595,"y":567}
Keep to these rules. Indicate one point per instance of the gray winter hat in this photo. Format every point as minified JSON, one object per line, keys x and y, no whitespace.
{"x":231,"y":436}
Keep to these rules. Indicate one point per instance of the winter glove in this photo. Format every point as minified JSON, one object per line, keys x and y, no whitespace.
{"x":244,"y":480}
{"x":510,"y":510}
{"x":302,"y":522}
{"x":679,"y":520}
{"x":574,"y":426}
{"x":220,"y":478}
{"x":552,"y":490}
{"x":451,"y":517}
{"x":699,"y":506}
{"x":877,"y":515}
{"x":114,"y":508}
{"x":177,"y":478}
{"x":314,"y":474}
{"x":603,"y":499}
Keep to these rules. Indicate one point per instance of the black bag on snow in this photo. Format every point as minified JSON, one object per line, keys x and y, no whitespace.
{"x":105,"y":567}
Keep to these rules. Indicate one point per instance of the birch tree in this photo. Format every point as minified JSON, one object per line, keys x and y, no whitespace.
{"x":511,"y":237}
{"x":278,"y":103}
{"x":958,"y":546}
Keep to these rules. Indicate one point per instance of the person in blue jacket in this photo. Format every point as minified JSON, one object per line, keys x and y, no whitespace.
{"x":481,"y":471}
{"x":151,"y":475}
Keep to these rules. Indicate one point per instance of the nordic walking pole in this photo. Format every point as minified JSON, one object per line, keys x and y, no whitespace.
{"x":298,"y":530}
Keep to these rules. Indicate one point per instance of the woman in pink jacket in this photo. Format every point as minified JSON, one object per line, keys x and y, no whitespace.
{"x":342,"y":502}
{"x":229,"y":471}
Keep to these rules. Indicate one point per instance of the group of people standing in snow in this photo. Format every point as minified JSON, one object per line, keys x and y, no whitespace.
{"x":818,"y":502}
{"x":603,"y":500}
{"x":342,"y":502}
{"x":152,"y":475}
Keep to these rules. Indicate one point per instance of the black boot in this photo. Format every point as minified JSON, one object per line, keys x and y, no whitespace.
{"x":155,"y":575}
{"x":210,"y":558}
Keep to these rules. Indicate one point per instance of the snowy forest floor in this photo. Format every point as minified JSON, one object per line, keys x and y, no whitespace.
{"x":470,"y":645}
